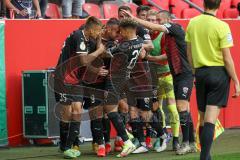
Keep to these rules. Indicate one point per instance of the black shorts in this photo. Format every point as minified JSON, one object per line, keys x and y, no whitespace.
{"x":212,"y":87}
{"x":66,"y":99}
{"x":183,"y":84}
{"x":93,"y":95}
{"x":145,"y":104}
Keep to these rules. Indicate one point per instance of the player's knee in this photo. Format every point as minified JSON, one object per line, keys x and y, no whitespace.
{"x":182,"y":105}
{"x":184,"y":117}
{"x":76,"y":107}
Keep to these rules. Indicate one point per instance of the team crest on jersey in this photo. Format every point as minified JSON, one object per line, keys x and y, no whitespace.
{"x":147,"y":36}
{"x":154,"y":93}
{"x":92,"y":98}
{"x":82,"y":46}
{"x":185,"y":90}
{"x":147,"y":100}
{"x":105,"y":94}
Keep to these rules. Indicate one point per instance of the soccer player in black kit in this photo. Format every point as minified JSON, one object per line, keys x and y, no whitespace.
{"x":182,"y":75}
{"x":76,"y":53}
{"x":125,"y":56}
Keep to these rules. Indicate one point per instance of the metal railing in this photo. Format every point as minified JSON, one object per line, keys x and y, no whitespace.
{"x":193,"y":5}
{"x":158,"y":7}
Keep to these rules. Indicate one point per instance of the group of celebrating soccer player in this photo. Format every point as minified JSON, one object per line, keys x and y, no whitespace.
{"x":121,"y":72}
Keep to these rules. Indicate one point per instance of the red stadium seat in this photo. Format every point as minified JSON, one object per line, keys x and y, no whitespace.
{"x":230,"y":13}
{"x":220,"y":14}
{"x":110,"y":10}
{"x":92,"y":9}
{"x":177,"y":7}
{"x":225,"y":4}
{"x":198,"y":2}
{"x":133,"y":7}
{"x":190,"y":13}
{"x":164,"y":4}
{"x":235,"y":3}
{"x":145,"y":2}
{"x":52,"y":11}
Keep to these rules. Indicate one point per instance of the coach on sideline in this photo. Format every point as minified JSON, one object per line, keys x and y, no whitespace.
{"x":208,"y":42}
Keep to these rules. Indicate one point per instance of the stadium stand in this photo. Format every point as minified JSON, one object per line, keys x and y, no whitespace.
{"x":133,"y":7}
{"x":177,"y":6}
{"x":189,"y":13}
{"x":198,"y":2}
{"x":110,"y":10}
{"x":92,"y":9}
{"x":52,"y":11}
{"x":230,"y":13}
{"x":235,"y":3}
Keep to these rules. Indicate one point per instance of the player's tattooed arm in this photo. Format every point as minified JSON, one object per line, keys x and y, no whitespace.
{"x":149,"y":25}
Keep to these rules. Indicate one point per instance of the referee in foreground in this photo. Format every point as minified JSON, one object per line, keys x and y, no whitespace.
{"x":208,"y":42}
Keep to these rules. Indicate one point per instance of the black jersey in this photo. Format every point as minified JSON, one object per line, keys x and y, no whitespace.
{"x":74,"y":45}
{"x":143,"y":33}
{"x":176,"y":49}
{"x":131,"y":49}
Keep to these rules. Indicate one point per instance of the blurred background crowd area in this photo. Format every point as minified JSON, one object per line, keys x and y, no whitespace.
{"x":105,"y":9}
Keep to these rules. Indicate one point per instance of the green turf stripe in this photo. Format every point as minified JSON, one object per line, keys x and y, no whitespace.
{"x":3,"y":118}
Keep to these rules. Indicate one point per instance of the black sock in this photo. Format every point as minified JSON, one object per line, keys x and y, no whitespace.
{"x":97,"y":130}
{"x":76,"y":142}
{"x":206,"y":140}
{"x":118,"y":124}
{"x":106,"y":129}
{"x":137,"y":128}
{"x":73,"y":133}
{"x":93,"y":133}
{"x":157,"y":124}
{"x":191,"y":130}
{"x":64,"y":129}
{"x":148,"y":132}
{"x":175,"y":140}
{"x":184,"y":121}
{"x":200,"y":132}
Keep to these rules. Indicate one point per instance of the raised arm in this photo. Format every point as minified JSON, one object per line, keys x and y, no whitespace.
{"x":149,"y":25}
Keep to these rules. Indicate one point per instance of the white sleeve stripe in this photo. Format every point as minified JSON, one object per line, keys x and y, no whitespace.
{"x":166,"y":29}
{"x":82,"y":52}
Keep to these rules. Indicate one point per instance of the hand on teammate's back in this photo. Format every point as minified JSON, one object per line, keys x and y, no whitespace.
{"x":102,"y":71}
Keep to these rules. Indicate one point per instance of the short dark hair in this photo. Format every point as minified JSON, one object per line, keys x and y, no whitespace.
{"x":125,"y":8}
{"x":167,"y":13}
{"x":113,"y":21}
{"x":92,"y":21}
{"x":238,"y":7}
{"x":128,"y":23}
{"x":142,"y":8}
{"x":212,"y":4}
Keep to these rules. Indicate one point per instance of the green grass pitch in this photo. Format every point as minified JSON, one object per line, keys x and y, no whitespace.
{"x":226,"y":147}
